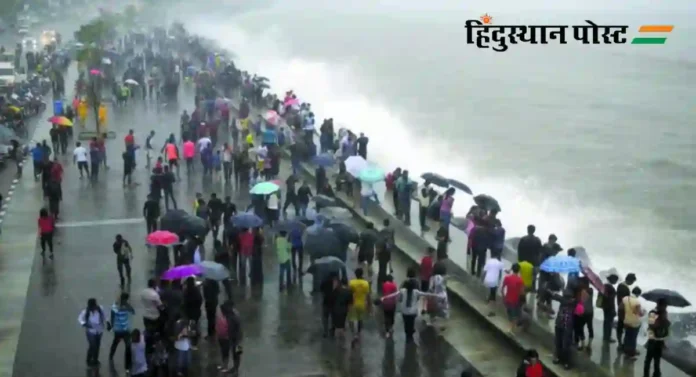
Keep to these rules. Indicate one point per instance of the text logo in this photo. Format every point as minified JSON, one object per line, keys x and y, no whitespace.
{"x":484,"y":34}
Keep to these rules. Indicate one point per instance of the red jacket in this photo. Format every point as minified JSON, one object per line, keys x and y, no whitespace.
{"x":46,"y":224}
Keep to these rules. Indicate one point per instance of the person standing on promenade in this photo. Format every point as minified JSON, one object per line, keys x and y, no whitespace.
{"x":513,"y":290}
{"x":607,"y":301}
{"x":658,"y":331}
{"x":529,"y":250}
{"x":623,"y":290}
{"x":632,"y":321}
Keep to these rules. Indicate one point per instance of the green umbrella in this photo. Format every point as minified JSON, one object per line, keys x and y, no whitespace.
{"x":264,"y":188}
{"x":371,"y":174}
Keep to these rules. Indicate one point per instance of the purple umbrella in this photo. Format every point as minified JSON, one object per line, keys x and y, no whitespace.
{"x":181,"y":272}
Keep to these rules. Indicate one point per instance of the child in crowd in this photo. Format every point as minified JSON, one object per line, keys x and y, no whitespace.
{"x":492,"y":272}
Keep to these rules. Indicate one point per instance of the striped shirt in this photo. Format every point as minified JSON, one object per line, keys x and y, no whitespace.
{"x":120,"y":316}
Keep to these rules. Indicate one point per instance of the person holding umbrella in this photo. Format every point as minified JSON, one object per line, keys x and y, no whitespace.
{"x":658,"y":331}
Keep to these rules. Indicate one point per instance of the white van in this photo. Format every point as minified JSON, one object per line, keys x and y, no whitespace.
{"x":8,"y":76}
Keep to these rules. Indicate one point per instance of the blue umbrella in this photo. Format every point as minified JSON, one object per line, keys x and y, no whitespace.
{"x":323,"y":159}
{"x":563,"y":264}
{"x":246,"y":220}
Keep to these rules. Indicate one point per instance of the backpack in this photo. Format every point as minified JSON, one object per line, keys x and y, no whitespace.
{"x":661,"y":327}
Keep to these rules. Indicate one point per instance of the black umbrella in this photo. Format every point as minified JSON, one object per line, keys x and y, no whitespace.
{"x":436,"y":179}
{"x":180,"y":222}
{"x":460,"y":186}
{"x":195,"y":226}
{"x":326,"y":264}
{"x":324,"y":201}
{"x":673,"y":298}
{"x":324,"y":243}
{"x":345,"y":233}
{"x":173,"y":220}
{"x":487,"y":202}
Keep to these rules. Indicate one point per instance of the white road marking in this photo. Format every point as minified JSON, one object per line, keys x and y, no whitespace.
{"x":77,"y":224}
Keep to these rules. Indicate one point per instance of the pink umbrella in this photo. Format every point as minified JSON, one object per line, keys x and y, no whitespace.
{"x":162,"y":238}
{"x":292,"y":102}
{"x":271,"y":117}
{"x":95,"y":72}
{"x":594,"y":279}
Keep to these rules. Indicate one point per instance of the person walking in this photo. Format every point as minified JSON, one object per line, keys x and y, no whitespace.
{"x":193,"y":300}
{"x":297,"y":252}
{"x":223,"y":337}
{"x":283,"y":248}
{"x":121,"y":312}
{"x":216,"y":208}
{"x":168,"y":180}
{"x":124,"y":254}
{"x":389,"y":306}
{"x":211,"y":292}
{"x":227,"y":157}
{"x":408,"y":298}
{"x":138,"y":347}
{"x":93,"y":320}
{"x":658,"y":331}
{"x":234,"y":331}
{"x":151,"y":212}
{"x":152,"y":305}
{"x":189,"y":154}
{"x":361,"y":304}
{"x":47,"y":225}
{"x":492,"y":273}
{"x":80,"y":158}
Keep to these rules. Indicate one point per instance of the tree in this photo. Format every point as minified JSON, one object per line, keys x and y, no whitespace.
{"x":94,"y":36}
{"x":129,"y":15}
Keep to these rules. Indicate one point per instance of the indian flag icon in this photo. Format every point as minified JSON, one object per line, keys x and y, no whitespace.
{"x":652,"y":34}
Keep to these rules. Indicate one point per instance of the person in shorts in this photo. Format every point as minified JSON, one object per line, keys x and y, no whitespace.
{"x":492,"y":272}
{"x":342,"y":301}
{"x":361,"y":301}
{"x":513,"y":290}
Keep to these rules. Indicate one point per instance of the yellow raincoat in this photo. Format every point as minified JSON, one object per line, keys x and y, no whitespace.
{"x":102,"y":116}
{"x":82,"y":112}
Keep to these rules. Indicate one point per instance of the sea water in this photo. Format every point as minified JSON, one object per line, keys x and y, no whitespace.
{"x":592,"y":143}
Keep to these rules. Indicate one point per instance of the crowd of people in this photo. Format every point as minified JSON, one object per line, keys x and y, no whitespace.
{"x":236,"y":151}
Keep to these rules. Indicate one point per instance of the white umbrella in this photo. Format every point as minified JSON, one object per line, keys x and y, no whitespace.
{"x":131,"y":82}
{"x":106,"y":61}
{"x":605,"y":274}
{"x":354,"y":164}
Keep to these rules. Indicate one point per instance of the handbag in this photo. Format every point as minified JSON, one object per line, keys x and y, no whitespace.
{"x":127,"y":252}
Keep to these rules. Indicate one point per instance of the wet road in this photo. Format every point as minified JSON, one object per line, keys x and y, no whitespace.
{"x":282,"y":331}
